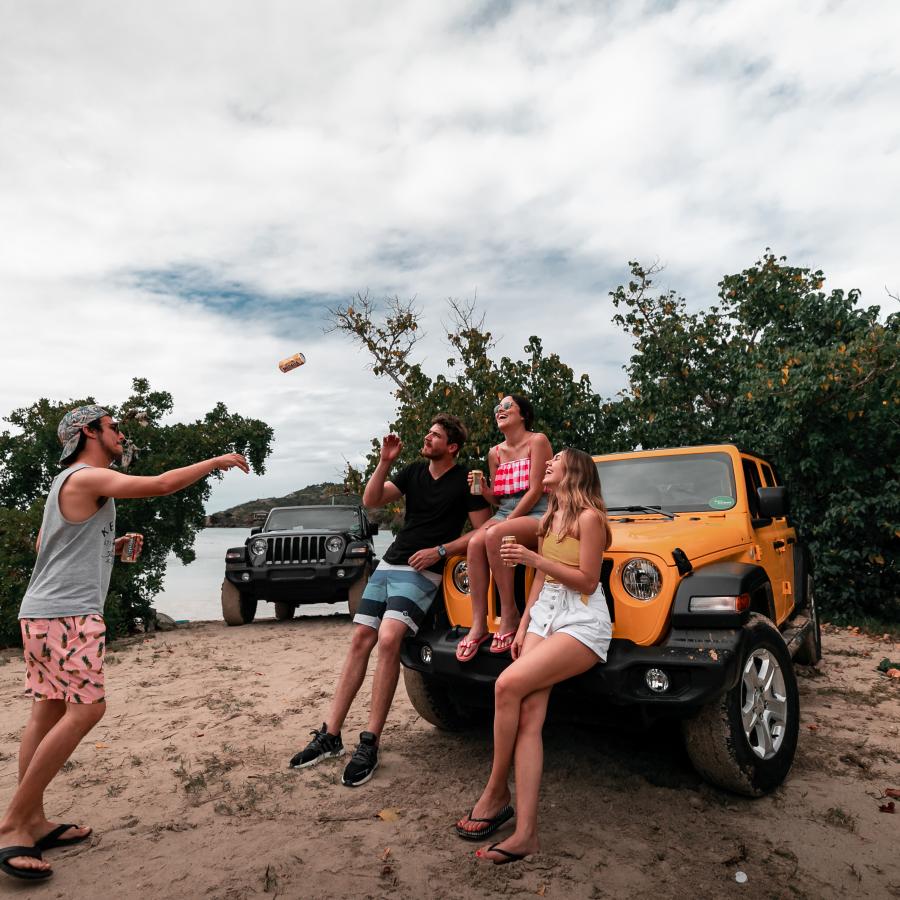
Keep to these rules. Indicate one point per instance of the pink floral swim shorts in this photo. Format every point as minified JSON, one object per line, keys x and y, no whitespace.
{"x":64,"y":658}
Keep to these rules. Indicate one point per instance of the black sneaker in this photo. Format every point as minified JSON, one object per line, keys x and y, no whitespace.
{"x":364,"y":761}
{"x":322,"y":746}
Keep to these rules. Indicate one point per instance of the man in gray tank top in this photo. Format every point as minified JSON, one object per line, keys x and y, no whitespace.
{"x":61,"y":615}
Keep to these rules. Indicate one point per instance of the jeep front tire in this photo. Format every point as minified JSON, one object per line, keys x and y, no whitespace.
{"x":237,"y":608}
{"x":434,"y":701}
{"x":745,"y":740}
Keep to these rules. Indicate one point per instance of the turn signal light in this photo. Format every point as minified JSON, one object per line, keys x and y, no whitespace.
{"x":732,"y":603}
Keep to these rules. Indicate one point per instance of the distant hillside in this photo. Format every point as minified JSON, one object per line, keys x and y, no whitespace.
{"x":254,"y":511}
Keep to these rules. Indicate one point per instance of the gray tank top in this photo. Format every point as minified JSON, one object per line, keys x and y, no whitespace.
{"x":71,"y":574}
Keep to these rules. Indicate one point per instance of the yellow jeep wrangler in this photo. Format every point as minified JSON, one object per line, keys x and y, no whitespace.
{"x":711,"y":598}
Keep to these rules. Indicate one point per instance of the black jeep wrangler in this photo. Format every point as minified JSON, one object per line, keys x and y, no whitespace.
{"x":301,"y":555}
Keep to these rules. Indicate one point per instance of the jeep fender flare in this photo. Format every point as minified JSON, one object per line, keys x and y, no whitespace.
{"x":723,"y":579}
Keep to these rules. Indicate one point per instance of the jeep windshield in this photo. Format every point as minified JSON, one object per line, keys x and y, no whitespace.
{"x":316,"y":518}
{"x":695,"y":482}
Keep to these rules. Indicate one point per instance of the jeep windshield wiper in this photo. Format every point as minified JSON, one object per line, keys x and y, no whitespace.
{"x":646,"y":509}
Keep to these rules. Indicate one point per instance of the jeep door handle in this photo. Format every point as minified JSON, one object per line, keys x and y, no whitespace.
{"x":778,"y":545}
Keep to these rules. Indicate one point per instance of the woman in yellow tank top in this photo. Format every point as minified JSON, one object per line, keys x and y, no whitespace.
{"x":565,"y":630}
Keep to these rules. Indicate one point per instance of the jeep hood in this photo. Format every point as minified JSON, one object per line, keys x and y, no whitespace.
{"x":302,"y":532}
{"x":702,"y":536}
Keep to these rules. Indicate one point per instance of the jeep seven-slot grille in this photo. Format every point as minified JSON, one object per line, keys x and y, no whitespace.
{"x":295,"y":550}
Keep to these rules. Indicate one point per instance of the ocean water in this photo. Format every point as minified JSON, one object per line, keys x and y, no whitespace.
{"x":193,"y":591}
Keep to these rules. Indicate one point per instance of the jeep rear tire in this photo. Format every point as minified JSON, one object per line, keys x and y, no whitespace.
{"x":745,"y":740}
{"x":284,"y":611}
{"x":435,"y":702}
{"x":810,"y":651}
{"x":237,"y":608}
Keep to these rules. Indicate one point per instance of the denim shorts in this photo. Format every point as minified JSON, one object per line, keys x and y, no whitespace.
{"x":560,"y":609}
{"x":509,"y":503}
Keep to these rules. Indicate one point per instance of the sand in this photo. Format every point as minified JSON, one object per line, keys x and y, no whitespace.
{"x":186,"y":784}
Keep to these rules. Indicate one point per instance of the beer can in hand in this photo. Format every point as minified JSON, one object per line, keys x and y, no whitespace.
{"x":477,"y":480}
{"x":506,"y":541}
{"x":292,"y":362}
{"x":131,"y":549}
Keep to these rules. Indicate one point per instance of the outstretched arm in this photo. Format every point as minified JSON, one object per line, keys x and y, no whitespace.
{"x":107,"y":483}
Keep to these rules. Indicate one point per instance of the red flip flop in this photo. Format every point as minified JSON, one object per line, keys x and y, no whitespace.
{"x":465,"y":644}
{"x":505,"y":638}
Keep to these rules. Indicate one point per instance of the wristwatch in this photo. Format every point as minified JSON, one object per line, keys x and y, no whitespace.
{"x":442,"y":550}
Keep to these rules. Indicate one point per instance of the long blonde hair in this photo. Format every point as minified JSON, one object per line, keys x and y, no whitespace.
{"x":579,"y":489}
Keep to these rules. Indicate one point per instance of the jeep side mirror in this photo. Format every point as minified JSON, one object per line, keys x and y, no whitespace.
{"x":373,"y":528}
{"x":255,"y":530}
{"x":773,"y":502}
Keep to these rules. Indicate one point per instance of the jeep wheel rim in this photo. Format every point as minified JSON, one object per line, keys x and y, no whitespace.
{"x":764,"y":708}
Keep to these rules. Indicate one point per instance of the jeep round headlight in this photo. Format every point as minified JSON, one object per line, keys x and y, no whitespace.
{"x":460,"y":577}
{"x":334,"y":544}
{"x":258,"y":547}
{"x":641,"y":579}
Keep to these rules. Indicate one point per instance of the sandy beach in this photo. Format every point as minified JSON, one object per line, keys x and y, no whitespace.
{"x":186,"y":784}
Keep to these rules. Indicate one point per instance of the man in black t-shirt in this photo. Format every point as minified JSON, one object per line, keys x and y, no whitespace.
{"x":402,"y":588}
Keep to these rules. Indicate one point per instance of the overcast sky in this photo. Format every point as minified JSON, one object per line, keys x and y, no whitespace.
{"x":187,"y":185}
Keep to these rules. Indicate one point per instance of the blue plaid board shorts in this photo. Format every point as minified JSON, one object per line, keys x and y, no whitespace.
{"x":397,"y":592}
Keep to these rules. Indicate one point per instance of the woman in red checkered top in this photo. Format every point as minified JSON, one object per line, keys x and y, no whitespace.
{"x":516,"y":469}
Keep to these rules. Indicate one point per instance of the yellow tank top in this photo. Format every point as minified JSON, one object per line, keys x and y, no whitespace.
{"x":565,"y":550}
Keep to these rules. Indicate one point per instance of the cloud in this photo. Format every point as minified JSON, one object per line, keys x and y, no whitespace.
{"x":187,"y":187}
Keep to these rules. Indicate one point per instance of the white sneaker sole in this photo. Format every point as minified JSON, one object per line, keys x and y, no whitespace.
{"x":362,"y":780}
{"x":319,"y":759}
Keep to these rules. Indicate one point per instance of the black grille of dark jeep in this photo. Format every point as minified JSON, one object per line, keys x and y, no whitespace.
{"x":288,"y":550}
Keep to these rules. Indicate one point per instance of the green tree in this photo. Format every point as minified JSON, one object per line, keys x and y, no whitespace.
{"x":808,"y":378}
{"x":28,"y":463}
{"x":567,"y":409}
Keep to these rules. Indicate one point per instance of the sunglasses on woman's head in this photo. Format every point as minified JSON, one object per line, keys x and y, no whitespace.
{"x":506,"y":404}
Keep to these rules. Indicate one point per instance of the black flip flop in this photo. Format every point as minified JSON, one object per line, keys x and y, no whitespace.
{"x":491,"y":825}
{"x":510,"y":857}
{"x":7,"y":853}
{"x":52,"y":838}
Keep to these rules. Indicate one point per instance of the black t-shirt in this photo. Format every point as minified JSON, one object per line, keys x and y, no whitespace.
{"x":436,"y":510}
